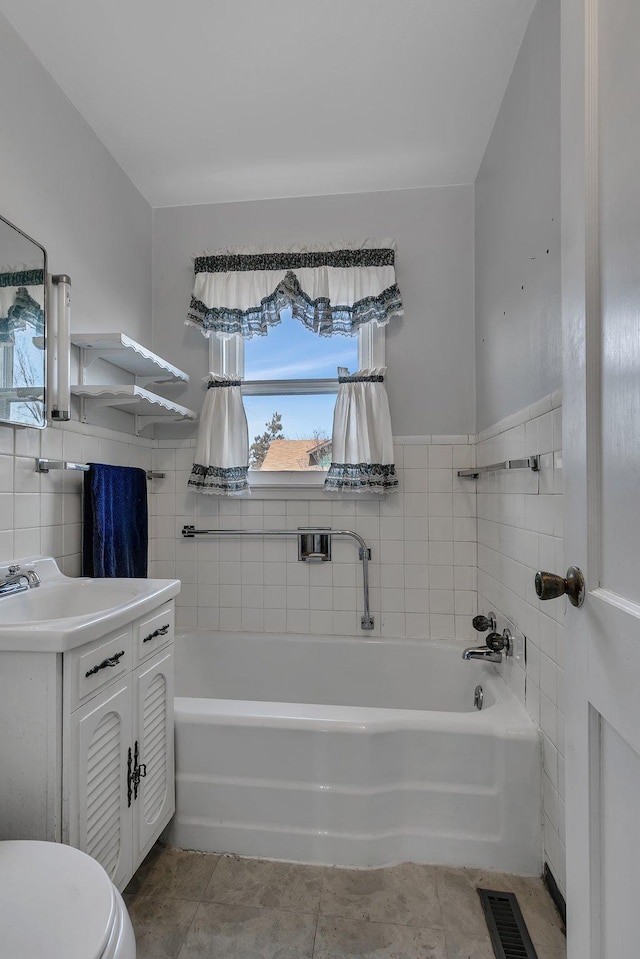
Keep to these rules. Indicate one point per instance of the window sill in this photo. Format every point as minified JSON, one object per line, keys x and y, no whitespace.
{"x":301,"y":485}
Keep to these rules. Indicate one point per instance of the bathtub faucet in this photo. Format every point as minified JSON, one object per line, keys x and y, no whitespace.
{"x":492,"y":652}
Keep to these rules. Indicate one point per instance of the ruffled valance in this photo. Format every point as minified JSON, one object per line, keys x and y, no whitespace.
{"x":332,"y":290}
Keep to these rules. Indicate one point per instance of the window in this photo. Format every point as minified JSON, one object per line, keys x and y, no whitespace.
{"x":293,"y":372}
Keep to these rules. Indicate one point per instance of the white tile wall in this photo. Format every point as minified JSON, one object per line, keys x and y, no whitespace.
{"x":520,"y":531}
{"x":41,"y":513}
{"x":423,"y":541}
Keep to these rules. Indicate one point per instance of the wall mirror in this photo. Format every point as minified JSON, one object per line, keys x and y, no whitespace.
{"x":23,"y":303}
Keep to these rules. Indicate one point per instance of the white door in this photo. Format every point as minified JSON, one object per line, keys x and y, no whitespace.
{"x":154,"y":791}
{"x":601,"y":320}
{"x":99,"y":797}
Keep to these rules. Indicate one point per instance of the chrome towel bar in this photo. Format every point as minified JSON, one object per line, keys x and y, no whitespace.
{"x":529,"y":462}
{"x":44,"y":465}
{"x":364,"y":552}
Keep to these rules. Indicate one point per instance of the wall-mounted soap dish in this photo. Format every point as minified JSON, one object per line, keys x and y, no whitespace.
{"x":314,"y":547}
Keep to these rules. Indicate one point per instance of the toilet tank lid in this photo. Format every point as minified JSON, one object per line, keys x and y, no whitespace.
{"x":55,"y":901}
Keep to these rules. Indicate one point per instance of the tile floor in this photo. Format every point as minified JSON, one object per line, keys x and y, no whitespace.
{"x":188,"y":905}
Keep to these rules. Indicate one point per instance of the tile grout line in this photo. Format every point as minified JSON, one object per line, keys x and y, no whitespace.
{"x":315,"y":931}
{"x":199,"y":903}
{"x":390,"y":922}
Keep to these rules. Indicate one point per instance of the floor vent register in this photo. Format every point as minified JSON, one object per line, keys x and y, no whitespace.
{"x":509,"y":933}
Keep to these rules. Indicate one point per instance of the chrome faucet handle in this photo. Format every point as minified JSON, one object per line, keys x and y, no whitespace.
{"x":483,"y":623}
{"x":14,"y":583}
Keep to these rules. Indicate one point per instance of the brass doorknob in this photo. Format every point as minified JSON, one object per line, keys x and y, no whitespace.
{"x":551,"y":586}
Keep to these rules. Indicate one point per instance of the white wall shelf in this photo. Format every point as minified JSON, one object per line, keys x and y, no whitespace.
{"x":145,"y":367}
{"x":147,"y":407}
{"x":123,"y":352}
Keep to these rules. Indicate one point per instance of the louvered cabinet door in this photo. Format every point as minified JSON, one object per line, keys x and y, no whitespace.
{"x":153,"y":730}
{"x":100,"y":820}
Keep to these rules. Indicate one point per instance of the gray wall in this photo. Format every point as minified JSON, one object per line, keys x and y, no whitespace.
{"x":59,"y":184}
{"x":517,"y":197}
{"x":430,"y":351}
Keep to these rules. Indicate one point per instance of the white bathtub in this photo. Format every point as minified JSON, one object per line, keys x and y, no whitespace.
{"x":356,"y":752}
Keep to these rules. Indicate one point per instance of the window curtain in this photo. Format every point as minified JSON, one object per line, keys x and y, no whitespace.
{"x":222,"y":450}
{"x":335,"y":289}
{"x":20,"y":307}
{"x":362,"y":457}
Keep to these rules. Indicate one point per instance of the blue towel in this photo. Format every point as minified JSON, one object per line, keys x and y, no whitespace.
{"x":115,"y":535}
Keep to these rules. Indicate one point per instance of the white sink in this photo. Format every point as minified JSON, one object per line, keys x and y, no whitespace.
{"x":82,"y":597}
{"x":64,"y":612}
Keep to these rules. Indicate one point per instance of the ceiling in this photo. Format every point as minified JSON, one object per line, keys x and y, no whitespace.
{"x":206,"y":101}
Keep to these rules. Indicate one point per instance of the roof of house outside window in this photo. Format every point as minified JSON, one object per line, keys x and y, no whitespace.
{"x":296,"y":455}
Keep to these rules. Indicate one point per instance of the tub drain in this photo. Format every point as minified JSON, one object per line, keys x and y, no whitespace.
{"x":508,"y":930}
{"x":478,"y":697}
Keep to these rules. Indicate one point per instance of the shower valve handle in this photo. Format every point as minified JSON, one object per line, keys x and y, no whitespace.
{"x":500,"y":641}
{"x":483,"y":623}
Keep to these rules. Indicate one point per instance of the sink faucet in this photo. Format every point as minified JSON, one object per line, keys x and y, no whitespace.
{"x":18,"y":582}
{"x":492,"y":652}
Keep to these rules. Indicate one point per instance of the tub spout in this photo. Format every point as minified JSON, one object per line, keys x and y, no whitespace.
{"x":482,"y":652}
{"x":492,"y":652}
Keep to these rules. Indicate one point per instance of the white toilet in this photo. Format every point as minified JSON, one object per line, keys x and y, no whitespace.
{"x":58,"y":903}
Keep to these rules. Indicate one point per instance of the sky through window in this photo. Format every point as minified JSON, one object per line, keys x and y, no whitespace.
{"x":291,"y":352}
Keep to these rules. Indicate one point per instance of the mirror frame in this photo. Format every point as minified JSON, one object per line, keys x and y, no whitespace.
{"x":5,"y":422}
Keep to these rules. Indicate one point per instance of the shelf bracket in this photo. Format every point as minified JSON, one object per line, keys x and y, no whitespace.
{"x":85,"y":359}
{"x":142,"y":422}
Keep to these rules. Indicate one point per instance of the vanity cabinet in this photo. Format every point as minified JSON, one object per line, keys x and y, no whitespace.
{"x":86,"y":738}
{"x":119,"y":774}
